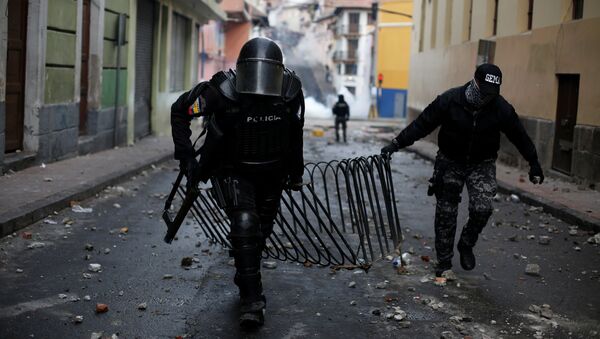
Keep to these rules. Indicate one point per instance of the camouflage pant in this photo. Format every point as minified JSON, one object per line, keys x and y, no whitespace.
{"x":480,"y":180}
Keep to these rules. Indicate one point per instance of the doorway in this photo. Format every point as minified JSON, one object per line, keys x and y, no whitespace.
{"x":566,"y":118}
{"x":143,"y":67}
{"x":85,"y":57}
{"x":15,"y":74}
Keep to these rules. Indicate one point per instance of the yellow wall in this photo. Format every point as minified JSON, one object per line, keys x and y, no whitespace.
{"x":393,"y":46}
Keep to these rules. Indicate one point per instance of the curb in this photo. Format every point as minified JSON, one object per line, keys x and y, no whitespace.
{"x":37,"y":210}
{"x":557,"y":210}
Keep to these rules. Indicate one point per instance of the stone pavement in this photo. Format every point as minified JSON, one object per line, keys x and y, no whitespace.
{"x":565,"y":200}
{"x":31,"y":194}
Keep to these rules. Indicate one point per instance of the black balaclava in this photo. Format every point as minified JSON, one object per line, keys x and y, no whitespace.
{"x":474,"y":97}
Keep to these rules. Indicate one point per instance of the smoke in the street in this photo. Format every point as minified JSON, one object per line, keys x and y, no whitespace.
{"x":316,"y":110}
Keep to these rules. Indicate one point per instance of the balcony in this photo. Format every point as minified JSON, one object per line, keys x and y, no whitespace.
{"x":345,"y":56}
{"x":347,"y":30}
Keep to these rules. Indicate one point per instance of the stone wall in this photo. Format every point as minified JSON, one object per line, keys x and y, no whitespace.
{"x":586,"y":153}
{"x":58,"y":132}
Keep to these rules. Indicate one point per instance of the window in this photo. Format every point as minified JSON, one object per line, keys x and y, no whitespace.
{"x":434,"y":20}
{"x":350,"y":69}
{"x":495,"y":22}
{"x":530,"y":15}
{"x":354,"y":21}
{"x":352,"y":48}
{"x":179,"y":51}
{"x":422,"y":26}
{"x":448,"y":23}
{"x":470,"y":20}
{"x":577,"y":9}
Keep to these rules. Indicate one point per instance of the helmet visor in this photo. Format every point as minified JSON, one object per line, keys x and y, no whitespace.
{"x":259,"y":76}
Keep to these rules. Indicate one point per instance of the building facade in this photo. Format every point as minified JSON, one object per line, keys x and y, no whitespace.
{"x":394,"y":26}
{"x":548,"y":52}
{"x":79,"y":76}
{"x":353,"y":53}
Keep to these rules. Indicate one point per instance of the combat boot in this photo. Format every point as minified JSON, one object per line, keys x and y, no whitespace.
{"x":252,"y":313}
{"x":467,"y":258}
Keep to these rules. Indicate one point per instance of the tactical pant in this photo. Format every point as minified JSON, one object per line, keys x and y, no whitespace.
{"x":251,"y":203}
{"x":480,"y":179}
{"x":340,"y":121}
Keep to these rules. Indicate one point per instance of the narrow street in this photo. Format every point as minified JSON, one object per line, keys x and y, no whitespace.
{"x":49,"y":278}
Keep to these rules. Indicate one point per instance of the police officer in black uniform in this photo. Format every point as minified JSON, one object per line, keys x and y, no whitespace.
{"x":471,"y":119}
{"x":341,"y":110}
{"x":252,"y":151}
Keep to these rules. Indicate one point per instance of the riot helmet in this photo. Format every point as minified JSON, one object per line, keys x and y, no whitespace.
{"x":260,"y":68}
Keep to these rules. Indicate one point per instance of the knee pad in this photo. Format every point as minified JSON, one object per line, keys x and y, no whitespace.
{"x":244,"y":224}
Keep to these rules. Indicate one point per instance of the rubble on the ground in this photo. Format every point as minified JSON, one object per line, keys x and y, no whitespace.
{"x":532,"y":269}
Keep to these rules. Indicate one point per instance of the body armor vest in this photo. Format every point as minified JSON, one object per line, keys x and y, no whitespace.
{"x":258,"y":127}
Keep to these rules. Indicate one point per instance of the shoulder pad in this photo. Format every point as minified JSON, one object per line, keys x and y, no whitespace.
{"x":224,"y":81}
{"x":291,"y":85}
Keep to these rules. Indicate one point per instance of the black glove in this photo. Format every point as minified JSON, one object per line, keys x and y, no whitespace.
{"x":294,"y":183}
{"x":389,"y":149}
{"x":536,"y":175}
{"x":192,"y":172}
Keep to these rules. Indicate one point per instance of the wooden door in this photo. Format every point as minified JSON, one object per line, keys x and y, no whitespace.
{"x":566,"y":118}
{"x":15,"y":73}
{"x":85,"y":57}
{"x":143,"y":67}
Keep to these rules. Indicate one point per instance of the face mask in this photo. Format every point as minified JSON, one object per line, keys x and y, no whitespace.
{"x":473,"y":95}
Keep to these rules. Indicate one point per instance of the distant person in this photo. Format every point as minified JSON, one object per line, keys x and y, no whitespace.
{"x":341,"y":110}
{"x":471,"y":119}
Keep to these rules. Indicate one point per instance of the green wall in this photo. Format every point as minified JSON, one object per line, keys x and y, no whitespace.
{"x":109,"y":62}
{"x":60,"y":51}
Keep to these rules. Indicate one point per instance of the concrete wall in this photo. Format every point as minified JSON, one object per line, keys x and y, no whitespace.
{"x":530,"y":61}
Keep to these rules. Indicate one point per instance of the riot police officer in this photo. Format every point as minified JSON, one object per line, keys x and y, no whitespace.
{"x":252,"y":150}
{"x":471,"y":119}
{"x":341,"y":110}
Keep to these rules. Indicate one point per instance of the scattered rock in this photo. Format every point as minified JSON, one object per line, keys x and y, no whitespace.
{"x":595,"y":240}
{"x":487,"y":276}
{"x":187,"y":261}
{"x":376,"y":312}
{"x":36,"y":244}
{"x":352,"y":284}
{"x":544,"y":240}
{"x":514,"y":198}
{"x":87,"y":298}
{"x":142,"y":306}
{"x":449,"y":275}
{"x":447,"y":335}
{"x":101,"y":308}
{"x":117,"y":205}
{"x":381,"y":286}
{"x":89,"y":247}
{"x":440,"y":281}
{"x":425,"y":258}
{"x":62,"y":296}
{"x":533,"y":270}
{"x":79,"y":209}
{"x":87,"y":276}
{"x":19,"y":270}
{"x":50,"y":222}
{"x":514,"y":238}
{"x":231,"y":262}
{"x":124,"y":230}
{"x":78,"y":319}
{"x":269,"y":264}
{"x":167,"y":276}
{"x":107,"y":250}
{"x":353,"y":303}
{"x":94,"y":267}
{"x":96,"y":335}
{"x":26,"y":235}
{"x":531,"y":237}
